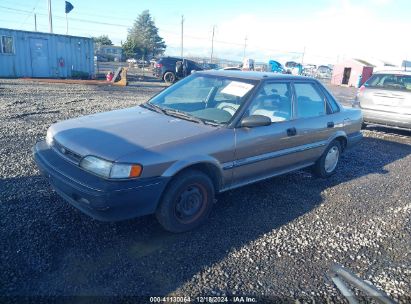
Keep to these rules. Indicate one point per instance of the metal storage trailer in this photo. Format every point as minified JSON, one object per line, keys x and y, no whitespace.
{"x":35,"y":54}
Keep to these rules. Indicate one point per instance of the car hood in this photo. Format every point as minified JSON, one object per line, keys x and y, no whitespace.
{"x":113,"y":134}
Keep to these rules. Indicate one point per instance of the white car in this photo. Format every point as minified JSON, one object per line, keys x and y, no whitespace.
{"x":131,"y":60}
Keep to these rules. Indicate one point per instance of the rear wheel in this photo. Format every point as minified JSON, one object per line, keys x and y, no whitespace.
{"x":187,"y":202}
{"x":326,"y":165}
{"x":169,"y":77}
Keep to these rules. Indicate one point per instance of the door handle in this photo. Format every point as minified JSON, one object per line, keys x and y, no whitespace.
{"x":291,"y":131}
{"x":330,"y":124}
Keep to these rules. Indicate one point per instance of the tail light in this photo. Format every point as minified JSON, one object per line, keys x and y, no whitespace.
{"x":356,"y":102}
{"x":159,"y":65}
{"x":361,"y":90}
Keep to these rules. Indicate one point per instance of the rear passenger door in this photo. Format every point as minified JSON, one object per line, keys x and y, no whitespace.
{"x":316,"y":120}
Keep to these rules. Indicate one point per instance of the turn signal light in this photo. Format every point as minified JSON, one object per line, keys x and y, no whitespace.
{"x":135,"y":171}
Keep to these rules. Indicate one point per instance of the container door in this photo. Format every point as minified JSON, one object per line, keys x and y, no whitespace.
{"x":39,"y":57}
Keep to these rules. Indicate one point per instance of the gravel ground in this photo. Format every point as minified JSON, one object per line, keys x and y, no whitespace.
{"x":276,"y":238}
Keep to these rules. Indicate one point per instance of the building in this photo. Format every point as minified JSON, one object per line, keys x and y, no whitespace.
{"x":111,"y":52}
{"x":352,"y":72}
{"x":35,"y":54}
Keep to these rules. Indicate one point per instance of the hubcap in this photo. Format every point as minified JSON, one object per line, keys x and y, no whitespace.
{"x":331,"y":160}
{"x":190,"y":203}
{"x":169,"y":78}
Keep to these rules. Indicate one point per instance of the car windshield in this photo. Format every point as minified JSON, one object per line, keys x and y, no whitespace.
{"x":390,"y":81}
{"x":207,"y":98}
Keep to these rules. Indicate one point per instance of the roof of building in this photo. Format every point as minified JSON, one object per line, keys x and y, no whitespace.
{"x":44,"y":33}
{"x":364,"y":62}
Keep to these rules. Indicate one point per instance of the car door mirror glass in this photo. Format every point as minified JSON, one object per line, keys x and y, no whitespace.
{"x":255,"y":121}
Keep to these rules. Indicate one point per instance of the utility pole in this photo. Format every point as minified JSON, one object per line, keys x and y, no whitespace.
{"x":50,"y":17}
{"x":245,"y":45}
{"x":302,"y":59}
{"x":35,"y":22}
{"x":212,"y":46}
{"x":182,"y":35}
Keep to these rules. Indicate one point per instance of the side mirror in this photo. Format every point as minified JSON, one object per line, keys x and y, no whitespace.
{"x":255,"y":121}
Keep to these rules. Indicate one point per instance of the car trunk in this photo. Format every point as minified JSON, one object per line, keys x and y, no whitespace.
{"x":393,"y":101}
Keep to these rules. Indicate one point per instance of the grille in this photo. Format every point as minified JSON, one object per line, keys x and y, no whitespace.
{"x":66,"y":153}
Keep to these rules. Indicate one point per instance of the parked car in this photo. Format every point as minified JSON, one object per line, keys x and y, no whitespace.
{"x":101,"y":58}
{"x":385,"y":99}
{"x":210,"y":132}
{"x":210,"y":66}
{"x":165,"y":68}
{"x":323,"y":71}
{"x":143,"y":63}
{"x":289,"y":66}
{"x":309,"y":70}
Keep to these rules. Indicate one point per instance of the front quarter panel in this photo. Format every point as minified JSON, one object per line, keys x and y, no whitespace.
{"x":215,"y":148}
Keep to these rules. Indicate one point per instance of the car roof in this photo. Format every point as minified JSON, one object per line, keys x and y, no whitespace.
{"x":251,"y":75}
{"x":396,"y":72}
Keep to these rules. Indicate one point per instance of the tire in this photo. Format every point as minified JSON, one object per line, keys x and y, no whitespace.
{"x":324,"y":167}
{"x":169,"y":77}
{"x":187,"y":202}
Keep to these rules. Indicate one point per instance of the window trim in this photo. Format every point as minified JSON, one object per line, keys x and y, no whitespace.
{"x":13,"y":51}
{"x":318,"y":90}
{"x":329,"y":96}
{"x":261,"y":86}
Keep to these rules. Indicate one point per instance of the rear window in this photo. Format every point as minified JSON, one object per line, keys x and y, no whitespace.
{"x":390,"y":81}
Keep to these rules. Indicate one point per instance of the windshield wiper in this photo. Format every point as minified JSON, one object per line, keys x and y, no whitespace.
{"x":210,"y":122}
{"x":183,"y":115}
{"x":153,"y":107}
{"x":178,"y":114}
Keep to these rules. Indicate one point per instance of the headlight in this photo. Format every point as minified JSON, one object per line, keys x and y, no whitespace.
{"x":49,"y":138}
{"x":108,"y":169}
{"x":125,"y":171}
{"x":96,"y":165}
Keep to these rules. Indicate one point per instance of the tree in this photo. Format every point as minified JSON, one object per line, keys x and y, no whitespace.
{"x":102,"y":40}
{"x":143,"y":39}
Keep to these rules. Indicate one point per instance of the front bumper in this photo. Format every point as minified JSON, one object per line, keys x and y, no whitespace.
{"x":104,"y":200}
{"x":387,"y":119}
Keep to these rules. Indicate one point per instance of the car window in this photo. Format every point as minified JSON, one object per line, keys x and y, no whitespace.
{"x":332,"y":105}
{"x":274,"y":101}
{"x":194,"y":91}
{"x":390,"y":81}
{"x":309,"y":101}
{"x":207,"y":97}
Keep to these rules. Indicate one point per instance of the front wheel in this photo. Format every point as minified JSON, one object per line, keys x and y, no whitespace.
{"x":187,"y":202}
{"x":326,"y":165}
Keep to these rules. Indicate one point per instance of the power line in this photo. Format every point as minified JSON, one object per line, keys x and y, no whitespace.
{"x":214,"y":41}
{"x":32,"y":11}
